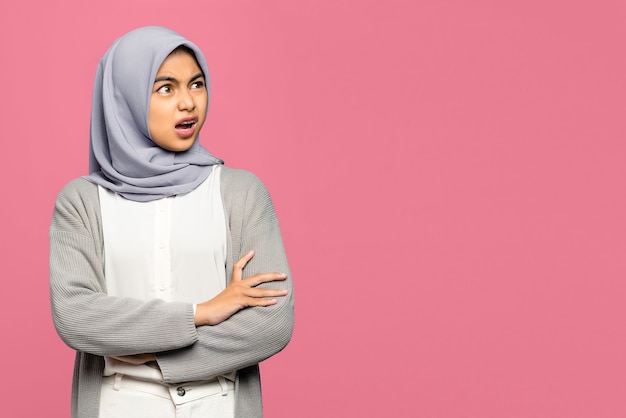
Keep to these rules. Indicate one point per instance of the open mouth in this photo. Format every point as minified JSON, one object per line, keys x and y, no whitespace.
{"x":186,"y":125}
{"x":186,"y":128}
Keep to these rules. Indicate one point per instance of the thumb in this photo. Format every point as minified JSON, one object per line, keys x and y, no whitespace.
{"x":240,"y":264}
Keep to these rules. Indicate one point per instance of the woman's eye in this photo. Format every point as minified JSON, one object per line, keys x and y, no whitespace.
{"x":197,"y":84}
{"x":164,"y":89}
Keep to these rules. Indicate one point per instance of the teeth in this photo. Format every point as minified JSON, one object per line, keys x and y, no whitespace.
{"x":187,"y":124}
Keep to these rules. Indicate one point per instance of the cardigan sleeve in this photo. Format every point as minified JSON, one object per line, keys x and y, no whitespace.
{"x":255,"y":333}
{"x":85,"y":317}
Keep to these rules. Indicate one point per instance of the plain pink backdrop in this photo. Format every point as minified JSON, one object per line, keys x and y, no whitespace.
{"x":449,"y":176}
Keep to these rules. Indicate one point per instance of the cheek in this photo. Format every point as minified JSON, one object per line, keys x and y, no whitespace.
{"x":203,"y":103}
{"x":155,"y":118}
{"x":202,"y":110}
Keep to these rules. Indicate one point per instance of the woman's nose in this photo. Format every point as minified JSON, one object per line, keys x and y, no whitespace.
{"x":185,"y":101}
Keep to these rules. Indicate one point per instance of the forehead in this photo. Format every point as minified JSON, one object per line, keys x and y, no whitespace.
{"x":180,"y":61}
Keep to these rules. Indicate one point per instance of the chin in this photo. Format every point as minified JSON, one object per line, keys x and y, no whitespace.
{"x":181,"y":148}
{"x":177,"y":145}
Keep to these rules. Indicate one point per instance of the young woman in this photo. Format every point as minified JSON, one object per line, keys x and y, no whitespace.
{"x":168,"y":273}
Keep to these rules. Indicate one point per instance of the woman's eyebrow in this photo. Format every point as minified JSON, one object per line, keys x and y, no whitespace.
{"x":174,"y":80}
{"x":165,"y":78}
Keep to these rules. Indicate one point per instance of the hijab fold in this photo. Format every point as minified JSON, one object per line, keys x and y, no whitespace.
{"x":122,"y":156}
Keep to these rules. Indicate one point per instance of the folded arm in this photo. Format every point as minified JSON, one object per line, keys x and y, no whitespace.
{"x":254,"y":333}
{"x":86,"y":318}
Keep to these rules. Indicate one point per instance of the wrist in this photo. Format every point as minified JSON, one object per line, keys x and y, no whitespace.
{"x":197,"y":309}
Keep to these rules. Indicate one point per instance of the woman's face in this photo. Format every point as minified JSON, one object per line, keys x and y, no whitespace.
{"x":178,"y":103}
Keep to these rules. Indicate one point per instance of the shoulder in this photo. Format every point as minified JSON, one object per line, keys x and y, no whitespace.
{"x":76,"y":204}
{"x":238,"y":178}
{"x":246,"y":198}
{"x":78,"y":189}
{"x":238,"y":185}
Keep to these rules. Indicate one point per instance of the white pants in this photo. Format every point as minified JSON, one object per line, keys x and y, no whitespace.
{"x":127,"y":397}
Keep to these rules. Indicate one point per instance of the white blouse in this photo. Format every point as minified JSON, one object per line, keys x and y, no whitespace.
{"x":172,"y":249}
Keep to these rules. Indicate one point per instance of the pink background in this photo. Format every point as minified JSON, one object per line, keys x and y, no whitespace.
{"x":449,"y":177}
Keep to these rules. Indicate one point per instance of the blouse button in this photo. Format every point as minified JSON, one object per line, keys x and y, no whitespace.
{"x":180,"y":391}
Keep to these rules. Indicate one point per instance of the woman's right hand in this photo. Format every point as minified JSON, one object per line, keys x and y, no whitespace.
{"x":239,"y":294}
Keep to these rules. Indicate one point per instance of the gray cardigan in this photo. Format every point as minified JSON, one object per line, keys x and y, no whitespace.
{"x":95,"y":324}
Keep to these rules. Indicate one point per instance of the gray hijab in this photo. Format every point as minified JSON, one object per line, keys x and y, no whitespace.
{"x":122,"y":156}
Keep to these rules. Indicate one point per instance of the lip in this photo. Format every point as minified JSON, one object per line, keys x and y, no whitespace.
{"x":185,"y":132}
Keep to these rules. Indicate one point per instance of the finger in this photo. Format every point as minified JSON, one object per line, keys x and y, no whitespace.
{"x":261,"y":302}
{"x":257,"y":279}
{"x":240,"y":264}
{"x":265,"y":293}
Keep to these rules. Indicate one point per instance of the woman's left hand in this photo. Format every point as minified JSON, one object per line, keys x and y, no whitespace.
{"x":239,"y":294}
